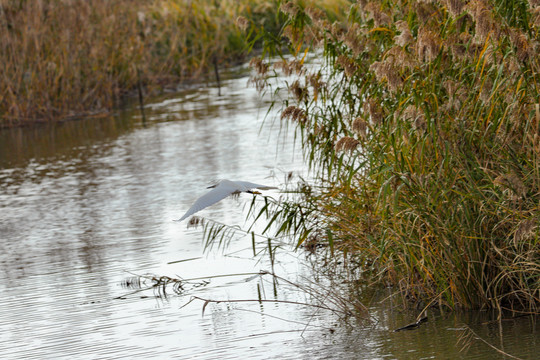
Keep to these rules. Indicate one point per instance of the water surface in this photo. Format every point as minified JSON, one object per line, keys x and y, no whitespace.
{"x":87,"y":206}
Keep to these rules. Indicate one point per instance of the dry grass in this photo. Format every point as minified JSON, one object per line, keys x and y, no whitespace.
{"x":66,"y":58}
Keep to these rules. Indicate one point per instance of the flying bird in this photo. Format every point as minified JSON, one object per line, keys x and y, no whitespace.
{"x":220,"y":191}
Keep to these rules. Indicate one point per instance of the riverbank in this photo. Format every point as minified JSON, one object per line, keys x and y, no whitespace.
{"x":422,"y":127}
{"x":65,"y":59}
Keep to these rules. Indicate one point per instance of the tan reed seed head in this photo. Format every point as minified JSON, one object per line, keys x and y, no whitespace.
{"x":525,"y":231}
{"x":316,"y":15}
{"x":354,"y":39}
{"x":455,"y":7}
{"x":299,"y":91}
{"x":289,"y":8}
{"x":400,"y":58}
{"x":347,"y":64}
{"x":415,"y":116}
{"x":361,"y":4}
{"x":337,"y":29}
{"x":360,"y":126}
{"x":242,"y":23}
{"x":259,"y":65}
{"x":314,"y":79}
{"x":374,"y":12}
{"x":485,"y":24}
{"x":428,"y":45}
{"x":523,"y":46}
{"x":374,"y":110}
{"x":346,"y":143}
{"x":385,"y":70}
{"x":290,"y":67}
{"x":294,"y":113}
{"x":405,"y":37}
{"x":424,"y":11}
{"x":512,"y":182}
{"x":292,"y":34}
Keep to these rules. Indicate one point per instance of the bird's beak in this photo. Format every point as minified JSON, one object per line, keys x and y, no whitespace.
{"x":255,"y":192}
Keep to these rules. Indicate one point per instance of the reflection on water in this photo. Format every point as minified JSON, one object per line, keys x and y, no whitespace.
{"x":86,"y":205}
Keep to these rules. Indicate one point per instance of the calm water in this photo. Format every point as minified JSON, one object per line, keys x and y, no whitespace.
{"x":87,"y":206}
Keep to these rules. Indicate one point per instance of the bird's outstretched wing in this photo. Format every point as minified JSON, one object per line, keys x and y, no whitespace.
{"x":220,"y":192}
{"x":250,"y":185}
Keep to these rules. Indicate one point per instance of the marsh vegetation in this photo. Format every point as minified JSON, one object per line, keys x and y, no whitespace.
{"x":422,"y":127}
{"x":65,"y":59}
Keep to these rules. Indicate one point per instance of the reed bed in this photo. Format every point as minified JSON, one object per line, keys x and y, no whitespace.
{"x":62,"y":59}
{"x":423,"y":129}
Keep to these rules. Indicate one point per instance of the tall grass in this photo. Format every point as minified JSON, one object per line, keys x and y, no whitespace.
{"x":64,"y":58}
{"x":423,"y":129}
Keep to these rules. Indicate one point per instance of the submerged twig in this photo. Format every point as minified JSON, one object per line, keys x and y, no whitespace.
{"x":306,"y":325}
{"x":413,"y":325}
{"x":183,"y":260}
{"x":160,"y":284}
{"x":341,"y":310}
{"x":207,"y":301}
{"x":473,"y":335}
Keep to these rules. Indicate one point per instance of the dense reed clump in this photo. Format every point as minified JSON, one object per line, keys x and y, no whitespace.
{"x":423,"y":130}
{"x":66,"y":58}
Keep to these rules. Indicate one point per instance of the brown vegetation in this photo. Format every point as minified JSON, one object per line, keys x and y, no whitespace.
{"x":425,"y":140}
{"x":66,"y":58}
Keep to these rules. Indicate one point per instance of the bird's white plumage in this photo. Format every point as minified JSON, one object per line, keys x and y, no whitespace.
{"x":220,"y":191}
{"x":250,"y":185}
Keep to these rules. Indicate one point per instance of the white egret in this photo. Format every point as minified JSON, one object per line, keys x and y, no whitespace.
{"x":220,"y":191}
